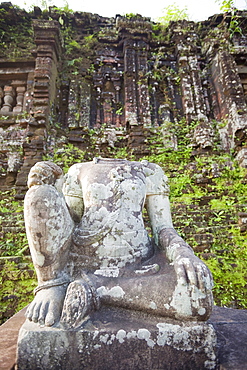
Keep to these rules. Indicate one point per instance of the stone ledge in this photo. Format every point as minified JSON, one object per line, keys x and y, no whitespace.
{"x":231,"y":329}
{"x":118,"y":339}
{"x":230,"y":326}
{"x":8,"y":343}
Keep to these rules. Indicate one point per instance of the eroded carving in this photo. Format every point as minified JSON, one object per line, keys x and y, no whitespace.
{"x":90,"y":247}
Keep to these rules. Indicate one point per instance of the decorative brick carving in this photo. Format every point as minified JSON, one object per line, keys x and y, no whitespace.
{"x":8,"y":99}
{"x":132,"y":78}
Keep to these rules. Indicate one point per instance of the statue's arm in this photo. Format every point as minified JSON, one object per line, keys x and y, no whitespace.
{"x":75,"y":205}
{"x":168,"y":240}
{"x":73,"y":193}
{"x":190,"y":269}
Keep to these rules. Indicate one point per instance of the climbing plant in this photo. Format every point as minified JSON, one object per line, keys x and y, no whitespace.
{"x":229,"y":6}
{"x":14,"y":241}
{"x":173,"y":12}
{"x":17,"y":280}
{"x":206,"y":194}
{"x":16,"y":35}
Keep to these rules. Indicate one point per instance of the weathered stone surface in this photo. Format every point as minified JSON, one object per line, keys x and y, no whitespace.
{"x":89,"y":244}
{"x":231,"y":328}
{"x":8,"y":344}
{"x":119,"y":339}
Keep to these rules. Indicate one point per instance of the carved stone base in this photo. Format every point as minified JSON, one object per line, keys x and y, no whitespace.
{"x":117,"y":339}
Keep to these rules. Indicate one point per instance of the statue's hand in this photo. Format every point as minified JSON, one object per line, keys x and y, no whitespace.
{"x":192,"y":271}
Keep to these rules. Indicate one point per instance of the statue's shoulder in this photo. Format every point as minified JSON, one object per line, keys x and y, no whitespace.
{"x":71,"y":186}
{"x":157,"y":181}
{"x":75,"y":167}
{"x":151,"y":168}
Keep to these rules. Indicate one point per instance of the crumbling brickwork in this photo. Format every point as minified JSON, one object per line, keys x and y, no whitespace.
{"x":126,"y":74}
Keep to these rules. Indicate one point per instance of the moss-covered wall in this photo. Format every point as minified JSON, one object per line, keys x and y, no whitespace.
{"x":18,"y":281}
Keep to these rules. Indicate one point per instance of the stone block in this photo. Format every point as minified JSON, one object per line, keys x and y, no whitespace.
{"x":119,"y":339}
{"x":231,"y":328}
{"x":9,"y":332}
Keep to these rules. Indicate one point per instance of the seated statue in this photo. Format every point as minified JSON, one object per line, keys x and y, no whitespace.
{"x":90,"y":247}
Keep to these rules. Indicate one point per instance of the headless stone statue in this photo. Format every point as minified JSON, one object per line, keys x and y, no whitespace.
{"x":90,"y":247}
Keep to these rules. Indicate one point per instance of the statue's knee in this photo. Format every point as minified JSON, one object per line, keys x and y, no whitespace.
{"x":196,"y":307}
{"x":201,"y":314}
{"x":206,"y":306}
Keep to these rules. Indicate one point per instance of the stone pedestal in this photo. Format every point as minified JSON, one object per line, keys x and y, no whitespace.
{"x":117,"y":339}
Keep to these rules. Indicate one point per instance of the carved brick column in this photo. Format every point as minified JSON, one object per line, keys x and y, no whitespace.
{"x":130,"y":86}
{"x":117,"y":86}
{"x":194,"y":105}
{"x":137,"y":105}
{"x":47,"y":39}
{"x":8,"y":99}
{"x":229,"y":100}
{"x":134,"y":35}
{"x":20,"y":88}
{"x":142,"y":83}
{"x":192,"y":94}
{"x":192,"y":77}
{"x":1,"y":96}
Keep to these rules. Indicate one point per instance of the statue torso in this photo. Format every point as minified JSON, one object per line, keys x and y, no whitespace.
{"x":112,"y":232}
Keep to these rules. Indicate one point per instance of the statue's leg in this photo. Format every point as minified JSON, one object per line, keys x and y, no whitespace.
{"x":49,"y":227}
{"x":160,"y":293}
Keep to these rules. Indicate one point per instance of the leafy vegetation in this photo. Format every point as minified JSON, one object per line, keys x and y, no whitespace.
{"x":207,"y":192}
{"x":173,"y":13}
{"x":66,"y":156}
{"x":228,"y":265}
{"x":14,"y":241}
{"x":45,"y":4}
{"x":17,"y":277}
{"x":16,"y":34}
{"x":228,"y":6}
{"x":17,"y":280}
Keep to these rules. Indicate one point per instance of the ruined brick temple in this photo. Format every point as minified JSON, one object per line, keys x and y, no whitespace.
{"x":121,"y":85}
{"x":62,"y":74}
